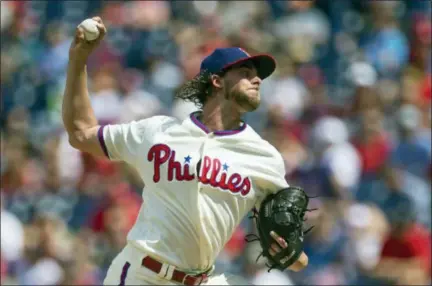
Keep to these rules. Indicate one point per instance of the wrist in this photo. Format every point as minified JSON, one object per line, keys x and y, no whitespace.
{"x":77,"y":60}
{"x":76,"y":63}
{"x":300,"y":264}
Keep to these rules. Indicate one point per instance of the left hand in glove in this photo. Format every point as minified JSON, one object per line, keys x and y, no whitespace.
{"x":280,"y":244}
{"x":280,"y":228}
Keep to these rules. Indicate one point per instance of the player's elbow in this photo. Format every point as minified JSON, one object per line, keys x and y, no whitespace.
{"x":87,"y":141}
{"x":78,"y":139}
{"x":74,"y":141}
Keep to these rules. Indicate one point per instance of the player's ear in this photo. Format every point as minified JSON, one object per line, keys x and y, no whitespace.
{"x":217,"y":81}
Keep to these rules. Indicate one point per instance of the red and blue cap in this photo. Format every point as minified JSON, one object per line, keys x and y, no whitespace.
{"x":224,"y":58}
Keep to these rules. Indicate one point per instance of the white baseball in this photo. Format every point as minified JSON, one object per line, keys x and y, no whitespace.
{"x":91,"y":31}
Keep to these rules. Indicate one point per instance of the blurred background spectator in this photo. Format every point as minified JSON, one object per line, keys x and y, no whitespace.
{"x":349,"y":108}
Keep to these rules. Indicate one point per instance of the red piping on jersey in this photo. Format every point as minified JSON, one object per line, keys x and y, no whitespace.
{"x":218,"y":133}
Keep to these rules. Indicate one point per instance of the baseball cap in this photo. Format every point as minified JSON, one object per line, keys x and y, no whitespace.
{"x":222,"y":58}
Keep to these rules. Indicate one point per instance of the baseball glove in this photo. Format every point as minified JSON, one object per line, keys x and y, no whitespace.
{"x":282,"y":213}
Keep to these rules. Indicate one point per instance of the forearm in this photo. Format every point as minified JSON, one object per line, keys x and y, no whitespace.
{"x":78,"y":116}
{"x":77,"y":112}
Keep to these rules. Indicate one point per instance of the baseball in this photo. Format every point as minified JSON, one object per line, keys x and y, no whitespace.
{"x":91,"y":31}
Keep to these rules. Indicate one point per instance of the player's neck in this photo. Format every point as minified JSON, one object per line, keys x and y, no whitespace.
{"x":220,"y":117}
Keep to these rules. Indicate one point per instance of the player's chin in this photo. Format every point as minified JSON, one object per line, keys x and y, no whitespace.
{"x":255,"y":100}
{"x":251,"y":104}
{"x":248,"y":101}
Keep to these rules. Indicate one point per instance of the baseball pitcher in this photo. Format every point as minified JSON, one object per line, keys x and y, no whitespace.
{"x":202,"y":175}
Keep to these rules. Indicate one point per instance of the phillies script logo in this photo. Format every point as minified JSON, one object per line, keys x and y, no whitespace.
{"x":213,"y":173}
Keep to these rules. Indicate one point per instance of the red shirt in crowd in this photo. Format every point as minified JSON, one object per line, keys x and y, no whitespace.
{"x":373,"y":153}
{"x":3,"y":269}
{"x":415,"y":243}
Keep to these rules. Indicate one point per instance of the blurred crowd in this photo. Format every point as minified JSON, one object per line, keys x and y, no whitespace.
{"x":349,"y":108}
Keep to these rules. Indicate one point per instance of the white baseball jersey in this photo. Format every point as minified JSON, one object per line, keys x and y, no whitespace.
{"x":199,"y":185}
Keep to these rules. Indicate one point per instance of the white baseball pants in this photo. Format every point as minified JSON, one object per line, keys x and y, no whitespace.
{"x":126,"y":269}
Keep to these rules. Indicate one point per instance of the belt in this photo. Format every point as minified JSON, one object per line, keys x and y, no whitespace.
{"x":177,"y":276}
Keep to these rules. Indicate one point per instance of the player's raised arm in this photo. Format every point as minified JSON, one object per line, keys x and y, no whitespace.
{"x":78,"y":116}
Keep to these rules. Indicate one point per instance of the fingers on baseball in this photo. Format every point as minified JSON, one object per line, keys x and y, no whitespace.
{"x":279,"y":239}
{"x":101,"y":27}
{"x":79,"y":34}
{"x":97,"y":19}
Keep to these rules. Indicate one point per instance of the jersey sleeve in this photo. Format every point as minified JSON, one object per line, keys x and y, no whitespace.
{"x":272,"y":178}
{"x":124,"y":142}
{"x":269,"y":170}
